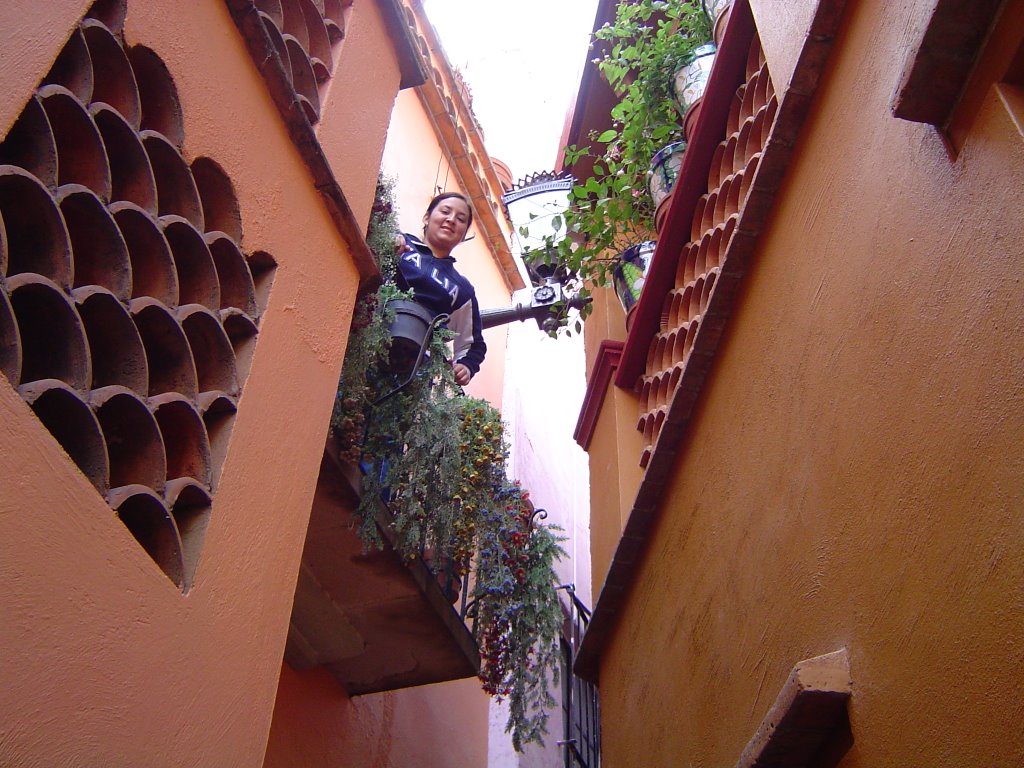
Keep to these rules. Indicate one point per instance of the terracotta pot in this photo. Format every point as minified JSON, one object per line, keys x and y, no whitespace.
{"x":721,"y":20}
{"x":690,"y":118}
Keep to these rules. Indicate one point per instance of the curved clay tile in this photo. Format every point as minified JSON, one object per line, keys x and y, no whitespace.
{"x":72,"y":423}
{"x":211,"y":349}
{"x":176,"y":190}
{"x":153,"y":272}
{"x":134,"y":444}
{"x":186,"y":444}
{"x":81,"y":156}
{"x":168,"y":355}
{"x":144,"y":515}
{"x":131,"y":175}
{"x":73,"y":68}
{"x":217,"y":195}
{"x":98,"y":251}
{"x":236,"y":285}
{"x":197,"y":274}
{"x":53,"y":341}
{"x":161,"y":107}
{"x":30,"y":144}
{"x":115,"y":347}
{"x":113,"y":77}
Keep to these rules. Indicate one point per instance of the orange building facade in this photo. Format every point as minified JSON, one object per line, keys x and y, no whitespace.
{"x":183,"y":190}
{"x":805,"y":460}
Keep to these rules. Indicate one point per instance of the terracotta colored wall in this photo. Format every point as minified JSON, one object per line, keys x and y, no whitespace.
{"x":353,"y":106}
{"x":426,"y":727}
{"x":615,"y":446}
{"x":31,"y":43}
{"x":104,"y":661}
{"x":439,"y":726}
{"x":853,"y":475}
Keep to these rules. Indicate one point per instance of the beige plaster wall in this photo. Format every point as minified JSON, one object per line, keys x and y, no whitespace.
{"x":614,"y":450}
{"x":853,"y":475}
{"x":414,"y":157}
{"x":104,"y":662}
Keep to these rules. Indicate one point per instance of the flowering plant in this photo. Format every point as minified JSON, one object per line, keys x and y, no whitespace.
{"x":437,"y":459}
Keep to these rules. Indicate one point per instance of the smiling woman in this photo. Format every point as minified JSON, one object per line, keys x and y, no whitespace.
{"x":428,"y":270}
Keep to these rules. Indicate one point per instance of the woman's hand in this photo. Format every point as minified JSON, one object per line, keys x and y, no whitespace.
{"x":462,"y":374}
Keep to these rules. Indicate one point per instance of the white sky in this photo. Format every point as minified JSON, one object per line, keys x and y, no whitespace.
{"x":522,"y":60}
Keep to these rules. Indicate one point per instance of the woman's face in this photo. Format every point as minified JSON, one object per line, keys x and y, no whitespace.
{"x":446,"y":225}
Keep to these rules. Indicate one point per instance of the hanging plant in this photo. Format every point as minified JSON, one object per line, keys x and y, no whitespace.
{"x":438,"y":461}
{"x":611,"y":210}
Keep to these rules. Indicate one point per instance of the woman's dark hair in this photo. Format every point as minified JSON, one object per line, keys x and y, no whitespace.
{"x":447,"y":196}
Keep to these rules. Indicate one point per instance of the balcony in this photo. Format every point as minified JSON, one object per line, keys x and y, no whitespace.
{"x":375,"y":622}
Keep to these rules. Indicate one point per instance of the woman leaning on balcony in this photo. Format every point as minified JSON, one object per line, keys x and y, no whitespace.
{"x":428,"y":270}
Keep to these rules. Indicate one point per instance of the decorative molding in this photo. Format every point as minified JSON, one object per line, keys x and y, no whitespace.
{"x":608,"y":356}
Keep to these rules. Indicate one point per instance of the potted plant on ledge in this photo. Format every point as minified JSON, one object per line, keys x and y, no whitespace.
{"x":612,"y":210}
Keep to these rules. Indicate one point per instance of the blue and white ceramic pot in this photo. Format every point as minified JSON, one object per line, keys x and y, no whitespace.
{"x":629,"y":273}
{"x":665,"y":170}
{"x":692,"y":78}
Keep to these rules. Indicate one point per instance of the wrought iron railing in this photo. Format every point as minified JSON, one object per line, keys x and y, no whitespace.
{"x":581,"y":711}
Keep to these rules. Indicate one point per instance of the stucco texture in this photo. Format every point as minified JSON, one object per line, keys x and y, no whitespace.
{"x":852,"y":476}
{"x":104,"y":661}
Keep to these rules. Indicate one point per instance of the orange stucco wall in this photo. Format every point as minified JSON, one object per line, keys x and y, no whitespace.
{"x":852,"y":476}
{"x":315,"y":722}
{"x":104,"y":661}
{"x":352,"y":106}
{"x":434,"y":726}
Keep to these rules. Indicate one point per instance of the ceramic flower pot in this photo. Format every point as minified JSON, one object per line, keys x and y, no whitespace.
{"x":664,"y":171}
{"x":629,"y":273}
{"x":692,"y":78}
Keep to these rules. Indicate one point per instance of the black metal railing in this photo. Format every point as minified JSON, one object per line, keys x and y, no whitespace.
{"x":581,"y":711}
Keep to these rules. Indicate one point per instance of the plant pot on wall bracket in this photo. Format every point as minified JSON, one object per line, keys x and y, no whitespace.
{"x":690,"y":82}
{"x":664,"y":170}
{"x":630,"y":271}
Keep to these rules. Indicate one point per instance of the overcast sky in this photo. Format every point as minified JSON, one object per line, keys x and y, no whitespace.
{"x":522,"y":61}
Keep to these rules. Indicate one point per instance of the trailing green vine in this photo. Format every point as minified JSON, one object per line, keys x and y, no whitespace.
{"x":437,"y":459}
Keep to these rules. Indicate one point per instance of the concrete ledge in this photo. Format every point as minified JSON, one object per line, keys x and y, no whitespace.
{"x":809,"y":708}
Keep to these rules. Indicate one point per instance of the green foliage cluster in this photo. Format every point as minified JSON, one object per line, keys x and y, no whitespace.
{"x":437,"y":460}
{"x":638,"y":54}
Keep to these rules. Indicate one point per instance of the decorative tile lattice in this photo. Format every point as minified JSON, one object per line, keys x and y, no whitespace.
{"x":128,"y":312}
{"x":714,"y":221}
{"x":305,"y":34}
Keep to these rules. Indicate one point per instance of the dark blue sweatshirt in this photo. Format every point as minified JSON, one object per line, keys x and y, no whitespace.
{"x":437,"y":285}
